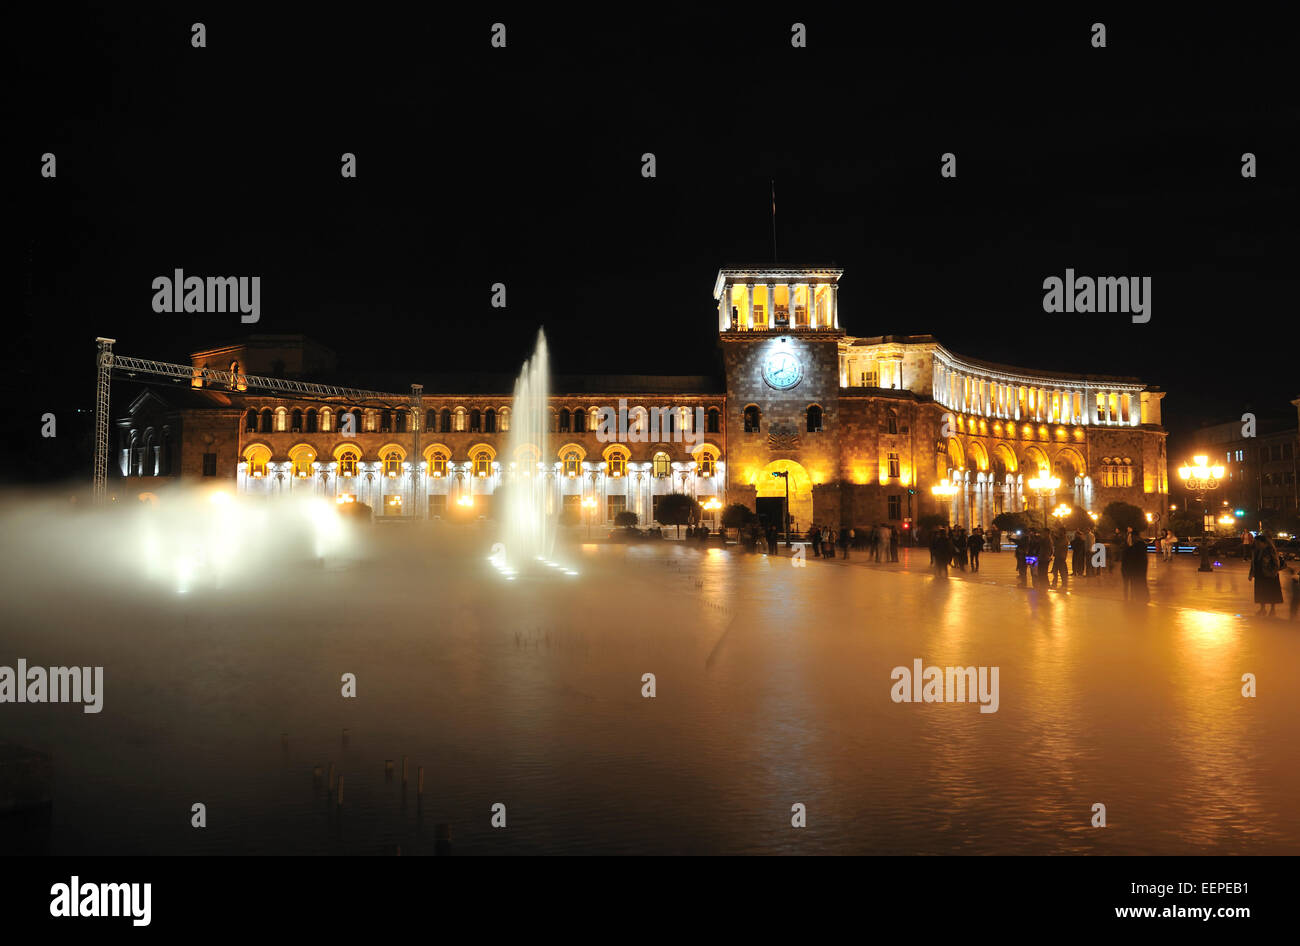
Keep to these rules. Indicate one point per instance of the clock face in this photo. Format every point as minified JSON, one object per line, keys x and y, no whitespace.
{"x":782,"y":370}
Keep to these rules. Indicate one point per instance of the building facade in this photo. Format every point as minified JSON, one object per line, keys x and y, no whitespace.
{"x":847,"y":431}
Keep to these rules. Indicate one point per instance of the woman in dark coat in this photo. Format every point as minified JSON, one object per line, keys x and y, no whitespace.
{"x":1265,"y":569}
{"x":1133,"y":566}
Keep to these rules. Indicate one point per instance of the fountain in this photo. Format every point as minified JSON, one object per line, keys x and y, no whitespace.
{"x":529,"y":535}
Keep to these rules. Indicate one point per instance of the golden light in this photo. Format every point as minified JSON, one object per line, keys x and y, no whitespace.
{"x":465,"y":500}
{"x":1044,"y":483}
{"x":1093,"y":516}
{"x":1226,"y":520}
{"x":712,"y":504}
{"x":589,"y":502}
{"x":1061,"y":511}
{"x":1201,"y":472}
{"x":944,"y":489}
{"x":1150,"y":518}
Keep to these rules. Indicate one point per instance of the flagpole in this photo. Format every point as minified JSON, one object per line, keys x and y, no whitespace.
{"x":773,"y":222}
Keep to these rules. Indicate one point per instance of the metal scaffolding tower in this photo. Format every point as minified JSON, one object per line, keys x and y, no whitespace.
{"x":229,"y":380}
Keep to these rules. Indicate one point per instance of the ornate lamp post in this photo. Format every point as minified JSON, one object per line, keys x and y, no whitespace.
{"x":1043,"y":485}
{"x":1201,"y":479}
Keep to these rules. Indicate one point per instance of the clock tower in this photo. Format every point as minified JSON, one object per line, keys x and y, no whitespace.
{"x":780,"y":335}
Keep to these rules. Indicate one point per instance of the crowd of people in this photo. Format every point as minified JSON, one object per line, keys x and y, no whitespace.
{"x":878,"y":540}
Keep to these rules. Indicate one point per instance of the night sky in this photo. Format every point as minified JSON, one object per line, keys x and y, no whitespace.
{"x":523,"y":166}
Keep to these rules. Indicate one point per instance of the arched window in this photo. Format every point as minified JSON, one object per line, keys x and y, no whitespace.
{"x":564,"y":420}
{"x":386,"y":422}
{"x":311,"y":420}
{"x":400,"y":421}
{"x":891,"y":422}
{"x":438,"y":463}
{"x":505,"y":419}
{"x":482,"y":463}
{"x":636,"y":420}
{"x":392,"y":463}
{"x":302,"y":457}
{"x":257,"y":456}
{"x":617,"y":463}
{"x":326,"y":419}
{"x":265,"y":425}
{"x":713,"y":423}
{"x":444,"y":421}
{"x":461,"y":419}
{"x":348,"y":463}
{"x":662,"y":465}
{"x":752,"y":418}
{"x":579,"y":421}
{"x":705,"y":463}
{"x":296,"y":421}
{"x":489,"y":421}
{"x":431,"y":420}
{"x":250,"y":421}
{"x":356,"y":420}
{"x":475,"y":420}
{"x":814,"y":419}
{"x":281,"y":419}
{"x":371,"y":420}
{"x":572,"y":463}
{"x":684,"y":417}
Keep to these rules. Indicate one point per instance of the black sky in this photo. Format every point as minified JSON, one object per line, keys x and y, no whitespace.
{"x":522,"y":166}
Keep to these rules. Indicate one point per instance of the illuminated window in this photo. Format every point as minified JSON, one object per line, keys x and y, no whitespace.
{"x":893,"y":466}
{"x":348,"y":463}
{"x":891,"y":423}
{"x":281,"y":419}
{"x":482,"y":463}
{"x":438,"y":463}
{"x":704,"y":465}
{"x":505,"y":419}
{"x":302,"y":461}
{"x":571,"y":463}
{"x":662,"y":465}
{"x":392,"y":463}
{"x":460,"y":418}
{"x":257,"y":457}
{"x":618,"y":464}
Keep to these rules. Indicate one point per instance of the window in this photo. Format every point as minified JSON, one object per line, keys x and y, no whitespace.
{"x":814,"y":419}
{"x":760,"y":319}
{"x":348,"y":463}
{"x":1286,"y":451}
{"x":460,"y":419}
{"x":867,"y":379}
{"x":296,"y":421}
{"x":370,"y":421}
{"x":438,"y":463}
{"x":662,"y":466}
{"x":579,"y":421}
{"x":431,"y":420}
{"x":250,"y":421}
{"x":257,"y":457}
{"x":712,"y":423}
{"x":704,"y":465}
{"x":392,"y":463}
{"x":490,"y":421}
{"x":564,"y":420}
{"x":893,"y":466}
{"x":572,"y":463}
{"x":615,"y":505}
{"x":265,"y":421}
{"x":311,"y":420}
{"x":209,"y":464}
{"x":400,"y":421}
{"x":444,"y":421}
{"x":891,"y":423}
{"x":482,"y":463}
{"x":475,"y":421}
{"x":505,"y":419}
{"x":751,"y":419}
{"x":281,"y":419}
{"x":1117,"y":472}
{"x":617,"y":464}
{"x":302,"y":461}
{"x":895,"y":507}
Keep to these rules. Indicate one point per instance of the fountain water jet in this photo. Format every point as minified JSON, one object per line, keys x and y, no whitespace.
{"x":529,"y":529}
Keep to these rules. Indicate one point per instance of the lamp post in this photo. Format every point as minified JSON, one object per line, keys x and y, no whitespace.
{"x":785,"y":475}
{"x":1042,"y":485}
{"x":590,"y":504}
{"x":1200,"y":479}
{"x":944,"y":492}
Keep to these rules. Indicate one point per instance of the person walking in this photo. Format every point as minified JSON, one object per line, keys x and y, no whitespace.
{"x":893,"y":543}
{"x":943,"y":553}
{"x":771,"y":540}
{"x":1044,"y":552}
{"x":828,"y":544}
{"x":1265,"y":572}
{"x":1133,"y":566}
{"x":844,"y":544}
{"x":975,"y":545}
{"x":1022,"y":557}
{"x":1247,"y":546}
{"x":1078,"y":557}
{"x":882,"y":542}
{"x":959,"y":547}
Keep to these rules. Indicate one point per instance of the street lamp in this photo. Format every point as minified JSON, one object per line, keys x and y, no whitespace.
{"x":785,"y":475}
{"x":1200,"y":478}
{"x":1060,"y":512}
{"x":590,"y":504}
{"x":1043,"y":485}
{"x":944,"y":492}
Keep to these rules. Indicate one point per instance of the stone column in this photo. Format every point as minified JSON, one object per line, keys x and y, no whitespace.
{"x":771,"y":305}
{"x":749,"y":305}
{"x":835,"y":305}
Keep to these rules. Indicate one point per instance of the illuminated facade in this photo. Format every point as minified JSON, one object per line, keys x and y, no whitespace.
{"x":863,"y":428}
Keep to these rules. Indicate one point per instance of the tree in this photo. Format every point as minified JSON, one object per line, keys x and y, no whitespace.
{"x":1120,"y":515}
{"x":1010,"y":522}
{"x":931,"y":520}
{"x":737,"y":516}
{"x":677,"y":509}
{"x":1184,"y":523}
{"x":627,"y":519}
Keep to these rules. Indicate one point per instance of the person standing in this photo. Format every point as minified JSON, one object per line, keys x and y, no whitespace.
{"x":975,"y":544}
{"x":1089,"y":540}
{"x":882,"y":542}
{"x":1044,"y":552}
{"x":893,"y":543}
{"x":1022,"y":557}
{"x":1060,"y":550}
{"x":1078,"y":558}
{"x":943,"y":553}
{"x":1133,"y":566}
{"x":1247,"y":546}
{"x":1265,"y":572}
{"x":844,"y":544}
